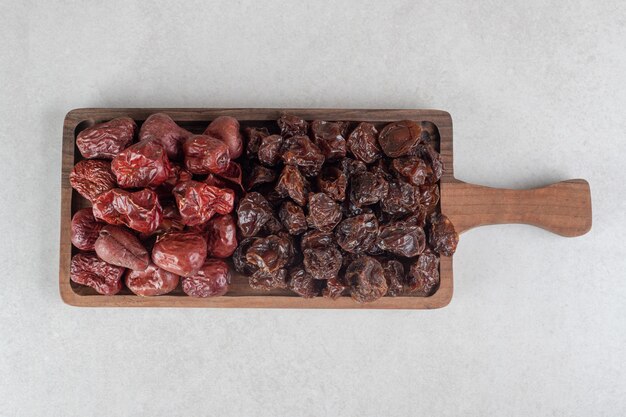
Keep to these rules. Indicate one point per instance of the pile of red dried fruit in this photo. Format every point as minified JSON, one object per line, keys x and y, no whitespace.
{"x":337,"y":208}
{"x":161,"y":207}
{"x":321,"y":211}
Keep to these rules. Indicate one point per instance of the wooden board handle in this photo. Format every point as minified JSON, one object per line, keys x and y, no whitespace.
{"x":563,"y":208}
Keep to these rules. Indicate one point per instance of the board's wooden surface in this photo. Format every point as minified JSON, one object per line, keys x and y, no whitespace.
{"x":567,"y":209}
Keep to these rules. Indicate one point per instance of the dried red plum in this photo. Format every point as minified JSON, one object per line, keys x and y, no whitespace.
{"x":205,"y":154}
{"x":423,"y":276}
{"x":163,"y":129}
{"x":105,"y":140}
{"x":357,"y":234}
{"x":293,"y":218}
{"x":399,"y":138}
{"x":182,"y":253}
{"x":328,"y":136}
{"x":366,"y":279}
{"x":367,"y":189}
{"x":323,"y":263}
{"x":211,"y":280}
{"x":291,"y":125}
{"x":394,"y":275}
{"x":442,"y":236}
{"x":197,"y":202}
{"x":324,"y":212}
{"x":401,"y":239}
{"x":92,"y":177}
{"x":151,"y":282}
{"x":333,"y":182}
{"x":270,"y":149}
{"x":253,"y":212}
{"x":221,"y":236}
{"x":87,"y":269}
{"x":232,"y":174}
{"x":305,"y":155}
{"x":140,"y":210}
{"x":292,"y":184}
{"x":120,"y":247}
{"x":226,"y":129}
{"x":363,"y":143}
{"x":85,"y":229}
{"x":144,"y":164}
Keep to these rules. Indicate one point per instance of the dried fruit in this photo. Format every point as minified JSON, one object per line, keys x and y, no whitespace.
{"x":254,"y":138}
{"x":363,"y":144}
{"x":270,"y":149}
{"x":366,"y":278}
{"x":292,"y":184}
{"x":269,"y":254}
{"x":328,"y":136}
{"x":292,"y":126}
{"x":412,"y":169}
{"x":140,"y":210}
{"x":253,"y":212}
{"x":442,"y":237}
{"x":105,"y":140}
{"x":88,"y":269}
{"x":221,"y":236}
{"x":367,"y":189}
{"x":334,"y":289}
{"x":260,"y":175}
{"x":401,"y":199}
{"x":322,"y":263}
{"x":152,"y":281}
{"x":266,"y":281}
{"x":434,"y":161}
{"x":85,"y":229}
{"x":144,"y":164}
{"x":226,"y":129}
{"x":164,"y":130}
{"x":428,"y":196}
{"x":239,"y":257}
{"x":402,"y":239}
{"x":394,"y":275}
{"x":423,"y":276}
{"x":357,"y":234}
{"x":197,"y":202}
{"x":211,"y":280}
{"x":206,"y":154}
{"x":324,"y":212}
{"x":182,"y":253}
{"x":293,"y":218}
{"x":232,"y":173}
{"x":305,"y":155}
{"x":333,"y":182}
{"x":303,"y":284}
{"x":118,"y":246}
{"x":92,"y":177}
{"x":399,"y":138}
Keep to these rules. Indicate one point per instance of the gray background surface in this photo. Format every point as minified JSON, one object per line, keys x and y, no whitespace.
{"x":537,"y":325}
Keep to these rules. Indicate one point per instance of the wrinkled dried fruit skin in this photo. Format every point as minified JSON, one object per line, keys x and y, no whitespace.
{"x":164,"y":130}
{"x":177,"y":174}
{"x":334,"y":289}
{"x":401,"y":199}
{"x":429,"y":197}
{"x":399,"y":138}
{"x":92,"y":177}
{"x":270,"y":149}
{"x":151,"y":282}
{"x":366,"y":279}
{"x":232,"y":173}
{"x":292,"y":126}
{"x":394,"y":275}
{"x":434,"y":161}
{"x":328,"y":136}
{"x":120,"y":247}
{"x":316,"y":239}
{"x":226,"y":129}
{"x":140,"y":210}
{"x":303,"y":284}
{"x":367,"y":189}
{"x":211,"y":280}
{"x":323,"y":263}
{"x":265,"y":280}
{"x":85,"y":229}
{"x":221,"y":236}
{"x":324,"y":212}
{"x":357,"y":234}
{"x":402,"y":239}
{"x":305,"y":155}
{"x":253,"y":212}
{"x":293,"y":218}
{"x":88,"y":269}
{"x":423,"y":276}
{"x":292,"y":184}
{"x":333,"y":182}
{"x":239,"y":257}
{"x":197,"y":202}
{"x":254,"y":137}
{"x":353,"y":167}
{"x":363,"y":143}
{"x":260,"y":175}
{"x":144,"y":164}
{"x":182,"y":253}
{"x":442,"y":237}
{"x":412,"y":169}
{"x":205,"y":155}
{"x":105,"y":140}
{"x":269,"y":254}
{"x":430,"y":133}
{"x":171,"y":219}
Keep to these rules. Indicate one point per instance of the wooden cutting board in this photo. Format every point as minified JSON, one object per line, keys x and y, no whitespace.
{"x":563,"y":208}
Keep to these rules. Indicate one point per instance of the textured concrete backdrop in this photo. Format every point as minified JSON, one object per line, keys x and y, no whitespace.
{"x":537,"y":325}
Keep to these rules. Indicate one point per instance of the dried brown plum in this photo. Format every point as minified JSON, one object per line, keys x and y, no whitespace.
{"x":254,"y":137}
{"x":357,"y":234}
{"x":412,"y":169}
{"x":323,"y":263}
{"x":401,"y":239}
{"x":333,"y":182}
{"x":292,"y":184}
{"x":253,"y":212}
{"x":428,"y":196}
{"x":303,"y":284}
{"x":394,"y":275}
{"x":423,"y":276}
{"x":260,"y":175}
{"x":367,"y":189}
{"x":442,"y":236}
{"x":324,"y":212}
{"x":270,"y":253}
{"x":328,"y":136}
{"x":366,"y":279}
{"x":270,"y":149}
{"x":291,"y":125}
{"x":433,"y":160}
{"x":305,"y":155}
{"x":334,"y":289}
{"x":363,"y":143}
{"x":352,"y":167}
{"x":265,"y":280}
{"x":293,"y":218}
{"x":401,"y":199}
{"x":239,"y":257}
{"x":316,"y":239}
{"x":399,"y":138}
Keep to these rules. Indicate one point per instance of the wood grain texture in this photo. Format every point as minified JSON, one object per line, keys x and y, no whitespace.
{"x":564,"y":208}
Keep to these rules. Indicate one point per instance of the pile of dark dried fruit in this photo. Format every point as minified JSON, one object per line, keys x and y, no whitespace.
{"x":323,"y":208}
{"x":337,"y":208}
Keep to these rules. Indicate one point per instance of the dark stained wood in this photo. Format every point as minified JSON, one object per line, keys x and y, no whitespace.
{"x":462,"y":202}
